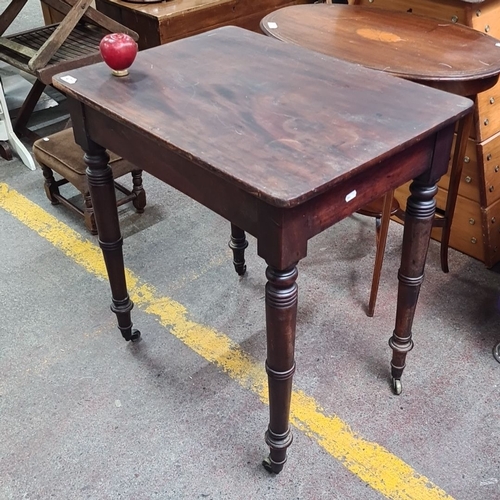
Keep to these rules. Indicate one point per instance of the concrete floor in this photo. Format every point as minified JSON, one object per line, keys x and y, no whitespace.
{"x":87,"y":416}
{"x":84,"y":415}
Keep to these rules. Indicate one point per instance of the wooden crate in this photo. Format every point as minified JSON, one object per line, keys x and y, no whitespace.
{"x":159,"y":23}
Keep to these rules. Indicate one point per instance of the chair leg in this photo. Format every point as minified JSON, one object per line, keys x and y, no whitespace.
{"x":455,"y":174}
{"x":88,"y":214}
{"x":139,"y":201}
{"x":27,"y":110}
{"x":50,"y":185}
{"x":382,"y":231}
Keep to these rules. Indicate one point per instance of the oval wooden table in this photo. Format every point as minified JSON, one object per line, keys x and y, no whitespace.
{"x":438,"y":54}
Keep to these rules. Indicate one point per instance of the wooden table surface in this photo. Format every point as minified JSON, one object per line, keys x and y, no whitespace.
{"x":403,"y":44}
{"x":270,"y":122}
{"x":282,"y":142}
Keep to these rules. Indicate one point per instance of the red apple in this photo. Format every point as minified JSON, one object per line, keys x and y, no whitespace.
{"x":118,"y":51}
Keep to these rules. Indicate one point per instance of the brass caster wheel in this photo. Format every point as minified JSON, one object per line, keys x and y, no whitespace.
{"x":396,"y":386}
{"x":496,"y":352}
{"x":136,"y":336}
{"x":267,"y":464}
{"x":271,"y":466}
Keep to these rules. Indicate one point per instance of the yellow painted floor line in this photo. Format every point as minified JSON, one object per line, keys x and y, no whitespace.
{"x":372,"y":463}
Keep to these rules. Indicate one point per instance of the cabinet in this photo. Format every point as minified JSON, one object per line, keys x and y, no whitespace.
{"x":159,"y":23}
{"x":476,"y":224}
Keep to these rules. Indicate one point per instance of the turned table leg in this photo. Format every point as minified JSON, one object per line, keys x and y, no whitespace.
{"x":102,"y":192}
{"x":281,"y":317}
{"x":419,"y":217}
{"x":238,"y":244}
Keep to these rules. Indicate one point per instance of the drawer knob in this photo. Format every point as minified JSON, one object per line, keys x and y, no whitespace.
{"x":497,"y":168}
{"x":478,"y":13}
{"x":492,"y":100}
{"x":466,"y":159}
{"x":491,"y":189}
{"x":486,"y":122}
{"x":468,"y":179}
{"x":493,"y":220}
{"x":454,"y":19}
{"x":472,"y":221}
{"x":487,"y":28}
{"x":473,"y":240}
{"x":488,"y":157}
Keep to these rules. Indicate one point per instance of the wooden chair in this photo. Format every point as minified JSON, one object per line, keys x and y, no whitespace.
{"x":45,"y":51}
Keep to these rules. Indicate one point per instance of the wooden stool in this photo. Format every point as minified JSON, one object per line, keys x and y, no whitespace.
{"x":445,"y":56}
{"x":60,"y":154}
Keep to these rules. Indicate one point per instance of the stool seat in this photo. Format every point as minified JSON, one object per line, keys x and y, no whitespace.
{"x":375,"y":208}
{"x":59,"y":153}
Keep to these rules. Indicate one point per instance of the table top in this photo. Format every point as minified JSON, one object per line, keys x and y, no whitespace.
{"x":281,"y":122}
{"x":400,"y":43}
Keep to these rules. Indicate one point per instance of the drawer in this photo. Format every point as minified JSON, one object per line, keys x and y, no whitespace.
{"x":491,"y":225}
{"x":480,"y":179}
{"x":485,"y":17}
{"x":450,"y":10}
{"x":488,"y":157}
{"x":470,"y":180}
{"x":466,"y":231}
{"x":488,"y":112}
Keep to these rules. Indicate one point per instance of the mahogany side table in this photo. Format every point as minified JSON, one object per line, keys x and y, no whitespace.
{"x":243,"y":125}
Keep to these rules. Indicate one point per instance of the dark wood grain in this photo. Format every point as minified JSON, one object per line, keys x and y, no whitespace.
{"x":243,"y":125}
{"x":270,"y":113}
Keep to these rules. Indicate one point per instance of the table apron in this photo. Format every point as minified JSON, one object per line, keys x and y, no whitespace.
{"x":282,"y":232}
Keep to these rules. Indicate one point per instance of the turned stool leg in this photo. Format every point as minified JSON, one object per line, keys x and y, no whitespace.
{"x":88,"y":213}
{"x":50,"y":184}
{"x":139,"y":201}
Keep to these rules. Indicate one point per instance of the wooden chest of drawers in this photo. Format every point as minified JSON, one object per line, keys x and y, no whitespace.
{"x":159,"y":23}
{"x":475,"y":229}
